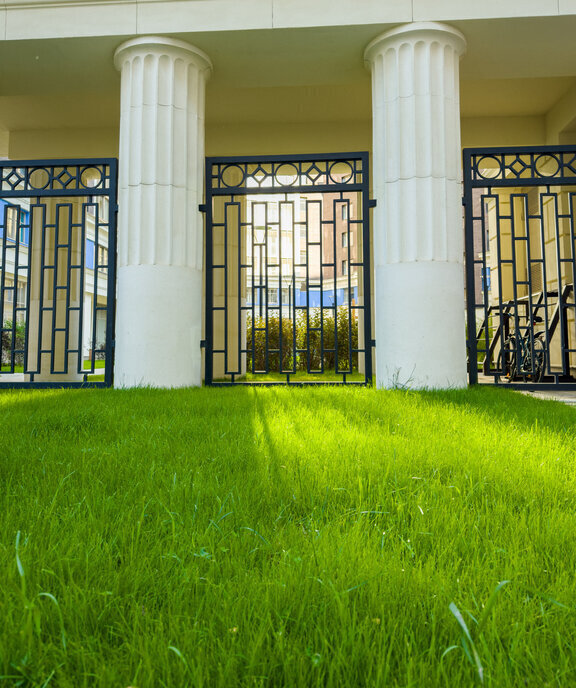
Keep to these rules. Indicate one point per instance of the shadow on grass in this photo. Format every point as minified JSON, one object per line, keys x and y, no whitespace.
{"x":508,"y":407}
{"x":480,"y":434}
{"x":503,"y":406}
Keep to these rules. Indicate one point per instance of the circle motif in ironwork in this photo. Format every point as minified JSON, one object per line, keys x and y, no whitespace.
{"x":341,"y":172}
{"x":286,"y":174}
{"x":92,"y":177}
{"x":232,"y":175}
{"x":39,"y":178}
{"x":546,"y":165}
{"x":487,"y":164}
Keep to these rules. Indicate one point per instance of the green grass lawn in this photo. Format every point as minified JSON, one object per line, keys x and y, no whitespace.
{"x":8,"y":369}
{"x":86,"y":366}
{"x":287,"y":537}
{"x":97,"y":364}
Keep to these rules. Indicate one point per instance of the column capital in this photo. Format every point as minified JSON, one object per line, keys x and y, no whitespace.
{"x":160,"y":45}
{"x":415,"y":32}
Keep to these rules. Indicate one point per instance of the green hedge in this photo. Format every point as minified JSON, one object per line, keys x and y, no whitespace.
{"x":307,"y":338}
{"x":8,"y":345}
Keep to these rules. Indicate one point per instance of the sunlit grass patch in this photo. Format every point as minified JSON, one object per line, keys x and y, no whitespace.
{"x":286,"y":537}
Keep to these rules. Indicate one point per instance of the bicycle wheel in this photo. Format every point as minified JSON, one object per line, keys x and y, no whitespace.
{"x":507,"y":359}
{"x":538,"y":360}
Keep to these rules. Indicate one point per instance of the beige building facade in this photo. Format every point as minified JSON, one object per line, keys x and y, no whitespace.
{"x":162,"y":84}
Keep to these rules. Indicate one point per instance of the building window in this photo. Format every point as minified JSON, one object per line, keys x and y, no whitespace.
{"x":344,"y":267}
{"x":21,"y":294}
{"x":24,"y":236}
{"x":11,"y":222}
{"x":344,"y":212}
{"x":345,"y":240}
{"x":90,"y":248}
{"x":272,"y":246}
{"x":9,"y":290}
{"x":102,"y":257}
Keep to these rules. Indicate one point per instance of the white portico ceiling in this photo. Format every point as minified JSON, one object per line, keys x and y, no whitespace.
{"x":513,"y":67}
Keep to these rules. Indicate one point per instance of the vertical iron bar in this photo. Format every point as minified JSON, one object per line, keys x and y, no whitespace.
{"x":3,"y":278}
{"x":470,"y":277}
{"x":55,"y":285}
{"x":544,"y":281}
{"x":254,"y":289}
{"x":473,"y":362}
{"x":573,"y":254}
{"x":366,"y":268}
{"x":16,"y":251}
{"x":266,"y":288}
{"x":470,"y":280}
{"x":307,"y":289}
{"x":530,"y":301}
{"x":335,"y":279}
{"x":29,"y":287}
{"x":240,"y":268}
{"x":293,"y":287}
{"x":519,"y":351}
{"x":349,"y":299}
{"x":226,"y":206}
{"x":321,"y":252}
{"x":503,"y":322}
{"x":67,"y":290}
{"x":80,"y":340}
{"x":109,"y":353}
{"x":41,"y":307}
{"x":561,"y":309}
{"x":209,"y":314}
{"x":96,"y":278}
{"x":280,"y":285}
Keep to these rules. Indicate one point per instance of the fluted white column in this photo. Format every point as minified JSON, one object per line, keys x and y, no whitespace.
{"x":418,"y":236}
{"x":160,"y":229}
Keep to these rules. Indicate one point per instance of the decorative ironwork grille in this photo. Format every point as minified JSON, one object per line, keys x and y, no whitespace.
{"x":520,"y":215}
{"x":57,"y":272}
{"x":287,"y":270}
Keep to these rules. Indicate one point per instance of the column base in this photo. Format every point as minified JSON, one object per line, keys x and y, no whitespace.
{"x":158,"y":327}
{"x":420,"y":331}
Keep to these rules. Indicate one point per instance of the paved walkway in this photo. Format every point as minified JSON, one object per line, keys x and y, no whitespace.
{"x":567,"y":397}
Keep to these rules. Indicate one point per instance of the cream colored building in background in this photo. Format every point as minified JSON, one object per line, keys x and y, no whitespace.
{"x":161,"y":84}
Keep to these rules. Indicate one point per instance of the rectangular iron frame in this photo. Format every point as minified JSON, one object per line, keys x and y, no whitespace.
{"x":511,"y":164}
{"x":65,"y":180}
{"x":213,"y":190}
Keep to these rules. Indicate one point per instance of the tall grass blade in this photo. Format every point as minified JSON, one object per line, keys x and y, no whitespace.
{"x":476,"y":658}
{"x":491,"y":602}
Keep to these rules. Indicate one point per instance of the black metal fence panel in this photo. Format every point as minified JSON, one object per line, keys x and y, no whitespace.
{"x":57,"y":272}
{"x":520,"y":214}
{"x":287,"y":270}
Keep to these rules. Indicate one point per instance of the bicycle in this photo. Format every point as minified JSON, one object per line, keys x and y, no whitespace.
{"x":523,"y":355}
